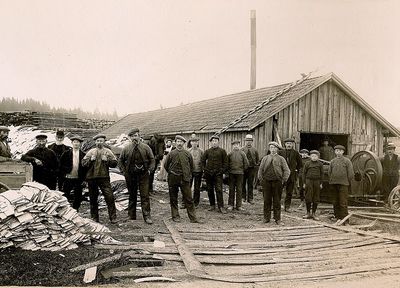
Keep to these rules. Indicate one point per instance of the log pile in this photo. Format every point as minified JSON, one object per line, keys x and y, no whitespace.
{"x":36,"y":218}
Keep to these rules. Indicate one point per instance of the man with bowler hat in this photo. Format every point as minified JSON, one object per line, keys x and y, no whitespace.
{"x":293,"y":159}
{"x":59,"y":148}
{"x":137,"y":163}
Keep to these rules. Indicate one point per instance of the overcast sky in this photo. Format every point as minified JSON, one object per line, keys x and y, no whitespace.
{"x":134,"y":56}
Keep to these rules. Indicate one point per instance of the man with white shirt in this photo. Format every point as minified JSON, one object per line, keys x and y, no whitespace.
{"x":73,"y":172}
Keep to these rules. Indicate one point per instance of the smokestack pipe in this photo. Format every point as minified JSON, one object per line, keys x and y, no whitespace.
{"x":253,"y":49}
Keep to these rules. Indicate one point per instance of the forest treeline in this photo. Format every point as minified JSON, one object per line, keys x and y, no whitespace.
{"x":12,"y":104}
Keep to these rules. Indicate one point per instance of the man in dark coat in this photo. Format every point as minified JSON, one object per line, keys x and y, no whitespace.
{"x":157,"y":146}
{"x":391,"y":165}
{"x":44,"y":161}
{"x":98,"y":160}
{"x":215,"y":163}
{"x":136,"y":163}
{"x":250,"y":173}
{"x":5,"y":152}
{"x":293,"y":159}
{"x":73,"y":172}
{"x":59,"y":148}
{"x":179,"y":165}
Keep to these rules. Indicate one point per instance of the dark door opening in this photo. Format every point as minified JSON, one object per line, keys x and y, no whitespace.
{"x":313,"y":141}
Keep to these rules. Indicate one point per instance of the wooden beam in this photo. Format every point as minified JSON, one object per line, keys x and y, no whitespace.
{"x":344,"y":219}
{"x":348,"y":229}
{"x":96,"y":263}
{"x":256,"y":229}
{"x":376,"y":218}
{"x":193,"y":266}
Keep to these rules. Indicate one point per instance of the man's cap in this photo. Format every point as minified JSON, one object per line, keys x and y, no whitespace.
{"x":133,"y":131}
{"x":316,"y":152}
{"x":41,"y":136}
{"x":60,"y":133}
{"x":180,"y":138}
{"x":289,"y":140}
{"x":167,"y":139}
{"x":100,"y":136}
{"x":340,"y":147}
{"x":249,"y":137}
{"x":305,"y":151}
{"x":235,"y":142}
{"x":194,"y":138}
{"x":4,"y":128}
{"x":391,"y":146}
{"x":76,"y":137}
{"x":214,"y":137}
{"x":274,"y":144}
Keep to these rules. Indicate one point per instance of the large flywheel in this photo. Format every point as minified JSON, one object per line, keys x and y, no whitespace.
{"x":368,"y":173}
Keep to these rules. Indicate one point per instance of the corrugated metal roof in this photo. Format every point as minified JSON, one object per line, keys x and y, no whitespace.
{"x":213,"y":114}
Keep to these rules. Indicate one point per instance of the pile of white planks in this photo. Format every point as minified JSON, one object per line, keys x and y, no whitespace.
{"x":36,"y":218}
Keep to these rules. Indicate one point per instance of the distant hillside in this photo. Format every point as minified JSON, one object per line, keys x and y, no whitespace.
{"x":12,"y":104}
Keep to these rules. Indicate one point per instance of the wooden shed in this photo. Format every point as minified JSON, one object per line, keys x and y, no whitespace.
{"x":310,"y":111}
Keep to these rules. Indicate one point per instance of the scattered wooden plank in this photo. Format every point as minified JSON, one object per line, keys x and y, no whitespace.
{"x":348,"y":229}
{"x":366,"y":226}
{"x":280,"y":228}
{"x":96,"y":263}
{"x":390,"y":215}
{"x":376,"y":218}
{"x":90,"y":274}
{"x":154,"y":279}
{"x":193,"y":266}
{"x":344,"y":219}
{"x":308,"y":275}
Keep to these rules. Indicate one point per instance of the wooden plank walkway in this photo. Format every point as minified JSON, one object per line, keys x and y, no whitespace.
{"x":275,"y":253}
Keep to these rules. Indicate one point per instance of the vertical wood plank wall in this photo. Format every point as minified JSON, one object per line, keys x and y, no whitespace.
{"x":328,"y":109}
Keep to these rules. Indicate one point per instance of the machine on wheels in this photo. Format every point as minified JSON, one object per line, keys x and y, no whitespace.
{"x":13,"y":174}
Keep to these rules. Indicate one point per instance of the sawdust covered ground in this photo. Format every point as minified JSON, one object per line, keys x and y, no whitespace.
{"x":31,"y":268}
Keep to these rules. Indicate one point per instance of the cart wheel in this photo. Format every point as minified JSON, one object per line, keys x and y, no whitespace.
{"x":394,"y":198}
{"x":368,"y":170}
{"x":3,"y":187}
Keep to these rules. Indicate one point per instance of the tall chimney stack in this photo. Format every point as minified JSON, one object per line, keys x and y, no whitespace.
{"x":253,"y":49}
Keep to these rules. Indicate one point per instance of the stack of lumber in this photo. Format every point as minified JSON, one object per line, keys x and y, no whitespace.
{"x":36,"y":218}
{"x":15,"y":118}
{"x":23,"y":139}
{"x":54,"y":119}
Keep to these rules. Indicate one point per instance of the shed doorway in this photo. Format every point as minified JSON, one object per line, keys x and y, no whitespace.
{"x":313,"y":141}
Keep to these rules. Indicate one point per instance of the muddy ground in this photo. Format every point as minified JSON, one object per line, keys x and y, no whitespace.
{"x":31,"y":268}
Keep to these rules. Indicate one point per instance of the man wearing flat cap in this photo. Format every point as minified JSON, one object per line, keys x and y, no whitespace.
{"x":293,"y":159}
{"x":249,"y":174}
{"x":5,"y":152}
{"x":215,"y":163}
{"x":97,"y":161}
{"x":73,"y":172}
{"x":59,"y":148}
{"x":197,"y":172}
{"x":273,"y":173}
{"x":391,"y":165}
{"x":340,"y":175}
{"x":44,"y":162}
{"x":237,"y":164}
{"x":179,"y":165}
{"x":136,"y":163}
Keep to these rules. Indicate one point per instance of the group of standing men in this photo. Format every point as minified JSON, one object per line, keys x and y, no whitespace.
{"x":64,"y":167}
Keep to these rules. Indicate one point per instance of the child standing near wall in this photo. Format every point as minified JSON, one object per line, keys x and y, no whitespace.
{"x":312,"y":174}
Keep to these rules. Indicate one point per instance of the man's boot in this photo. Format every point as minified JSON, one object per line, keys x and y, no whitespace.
{"x":212,"y":208}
